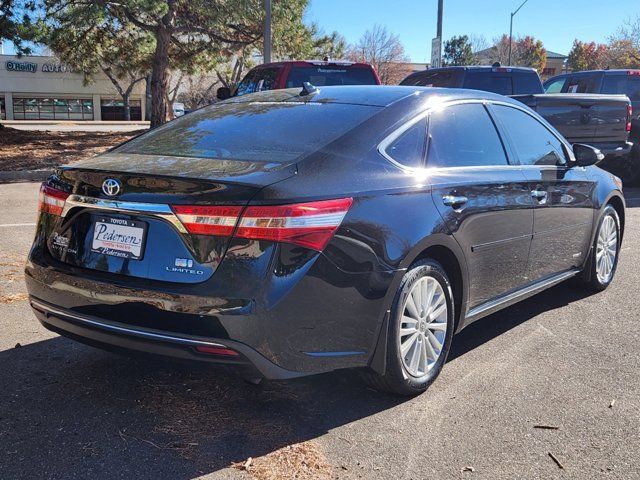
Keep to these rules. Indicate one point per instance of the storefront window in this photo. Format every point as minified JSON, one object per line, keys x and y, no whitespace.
{"x":52,"y":109}
{"x":112,"y":109}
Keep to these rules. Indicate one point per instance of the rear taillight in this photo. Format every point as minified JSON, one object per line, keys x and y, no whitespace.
{"x":213,"y":350}
{"x":633,"y":72}
{"x":202,"y":220}
{"x":629,"y":116}
{"x":51,"y":200}
{"x":309,"y":225}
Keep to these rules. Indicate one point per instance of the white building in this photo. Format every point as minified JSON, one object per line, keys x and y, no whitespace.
{"x":41,"y":88}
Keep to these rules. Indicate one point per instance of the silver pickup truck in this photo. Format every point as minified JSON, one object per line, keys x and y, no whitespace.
{"x":603,"y":121}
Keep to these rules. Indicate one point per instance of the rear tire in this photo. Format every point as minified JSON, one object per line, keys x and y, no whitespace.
{"x":420,"y":330}
{"x":605,"y":251}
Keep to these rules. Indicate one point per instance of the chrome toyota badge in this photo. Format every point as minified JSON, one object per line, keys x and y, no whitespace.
{"x":111,"y":187}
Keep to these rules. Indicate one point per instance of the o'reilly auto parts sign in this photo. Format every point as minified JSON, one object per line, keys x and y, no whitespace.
{"x":21,"y":66}
{"x":33,"y":67}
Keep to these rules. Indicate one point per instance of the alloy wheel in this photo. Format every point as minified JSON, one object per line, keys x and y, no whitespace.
{"x":423,"y":326}
{"x":606,"y":249}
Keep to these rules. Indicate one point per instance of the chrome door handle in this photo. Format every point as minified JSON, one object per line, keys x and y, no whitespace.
{"x":454,"y":200}
{"x":539,"y":194}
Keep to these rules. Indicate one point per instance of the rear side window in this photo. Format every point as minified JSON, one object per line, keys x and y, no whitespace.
{"x":258,"y":80}
{"x":275,"y":132}
{"x":500,"y":84}
{"x":330,"y":75}
{"x":445,"y":79}
{"x":464,"y":135}
{"x":581,"y":84}
{"x":628,"y":85}
{"x":408,"y":148}
{"x":555,"y":86}
{"x":534,"y":144}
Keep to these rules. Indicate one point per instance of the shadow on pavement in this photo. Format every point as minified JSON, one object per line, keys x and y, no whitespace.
{"x":70,"y":411}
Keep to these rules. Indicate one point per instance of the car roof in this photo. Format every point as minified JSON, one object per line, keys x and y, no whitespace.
{"x":372,"y":95}
{"x":606,"y":72}
{"x":316,"y":63}
{"x":478,"y":68}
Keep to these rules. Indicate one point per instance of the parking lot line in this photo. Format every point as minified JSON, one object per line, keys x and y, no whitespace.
{"x":17,"y":225}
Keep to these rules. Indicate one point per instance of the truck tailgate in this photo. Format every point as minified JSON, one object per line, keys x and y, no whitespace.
{"x":582,"y":117}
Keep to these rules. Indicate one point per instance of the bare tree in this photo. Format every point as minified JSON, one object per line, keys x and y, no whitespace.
{"x":199,"y":91}
{"x":478,"y":43}
{"x":384,"y":51}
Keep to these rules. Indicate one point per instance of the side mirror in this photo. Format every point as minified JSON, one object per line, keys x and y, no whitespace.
{"x":586,"y":154}
{"x":223,"y":93}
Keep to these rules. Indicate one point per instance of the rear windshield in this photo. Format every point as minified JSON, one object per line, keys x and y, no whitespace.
{"x":330,"y":75}
{"x":628,"y":85}
{"x":252,"y":131}
{"x":489,"y":82}
{"x":446,"y":79}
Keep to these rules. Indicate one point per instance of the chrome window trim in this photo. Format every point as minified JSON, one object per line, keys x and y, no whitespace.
{"x":384,"y":144}
{"x":158,"y":210}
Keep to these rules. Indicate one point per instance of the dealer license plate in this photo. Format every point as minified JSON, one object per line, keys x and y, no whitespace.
{"x":119,"y":237}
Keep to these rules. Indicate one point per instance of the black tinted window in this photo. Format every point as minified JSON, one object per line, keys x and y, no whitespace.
{"x":464,"y":135}
{"x":526,"y":83}
{"x":581,"y":84}
{"x":258,"y":80}
{"x":330,"y":75}
{"x":408,"y":148}
{"x":270,"y":132}
{"x":533,"y":142}
{"x":628,"y":85}
{"x":489,"y":83}
{"x":442,"y":78}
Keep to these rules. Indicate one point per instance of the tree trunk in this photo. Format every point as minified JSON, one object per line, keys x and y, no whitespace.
{"x":160,"y":78}
{"x":127,"y":107}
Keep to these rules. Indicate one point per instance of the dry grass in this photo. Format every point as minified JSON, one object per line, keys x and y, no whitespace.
{"x":302,"y":461}
{"x":31,"y":150}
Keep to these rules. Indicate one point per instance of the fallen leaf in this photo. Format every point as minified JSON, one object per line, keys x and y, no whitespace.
{"x":468,"y":469}
{"x":546,"y":427}
{"x":613,"y":402}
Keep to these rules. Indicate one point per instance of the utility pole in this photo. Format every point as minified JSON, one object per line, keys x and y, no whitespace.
{"x":436,"y":43}
{"x":267,"y":32}
{"x":511,"y":29}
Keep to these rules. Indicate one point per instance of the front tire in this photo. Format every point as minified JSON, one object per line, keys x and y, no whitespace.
{"x":420,"y":331}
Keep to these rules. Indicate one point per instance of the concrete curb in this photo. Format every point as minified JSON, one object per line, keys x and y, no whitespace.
{"x":24,"y":176}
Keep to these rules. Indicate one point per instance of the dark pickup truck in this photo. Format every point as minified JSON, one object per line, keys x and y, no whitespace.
{"x":625,"y":82}
{"x":598,"y":120}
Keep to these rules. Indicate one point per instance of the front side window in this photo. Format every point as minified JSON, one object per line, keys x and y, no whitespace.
{"x":534,"y":144}
{"x":408,"y":148}
{"x":555,"y":86}
{"x":462,"y":136}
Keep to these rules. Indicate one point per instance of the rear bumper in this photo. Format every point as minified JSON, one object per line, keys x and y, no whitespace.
{"x":112,"y":335}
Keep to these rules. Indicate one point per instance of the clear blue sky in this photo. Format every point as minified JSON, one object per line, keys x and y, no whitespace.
{"x":555,"y":22}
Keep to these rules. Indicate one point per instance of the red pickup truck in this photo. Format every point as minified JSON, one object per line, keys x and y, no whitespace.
{"x":292,"y":74}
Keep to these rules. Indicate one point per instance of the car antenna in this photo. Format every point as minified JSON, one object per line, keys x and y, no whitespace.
{"x":308,"y":89}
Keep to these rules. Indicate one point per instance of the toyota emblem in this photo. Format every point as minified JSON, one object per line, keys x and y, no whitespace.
{"x":111,"y":187}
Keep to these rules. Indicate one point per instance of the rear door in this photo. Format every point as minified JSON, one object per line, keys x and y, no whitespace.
{"x":484,"y":201}
{"x":562,"y":196}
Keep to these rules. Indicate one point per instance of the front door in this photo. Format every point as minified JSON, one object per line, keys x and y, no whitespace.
{"x":564,"y":210}
{"x":484,"y":201}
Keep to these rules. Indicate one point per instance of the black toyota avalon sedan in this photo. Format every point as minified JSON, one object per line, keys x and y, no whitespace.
{"x":295,"y":232}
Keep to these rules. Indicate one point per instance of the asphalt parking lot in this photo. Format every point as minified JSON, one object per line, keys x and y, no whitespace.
{"x":563,"y":360}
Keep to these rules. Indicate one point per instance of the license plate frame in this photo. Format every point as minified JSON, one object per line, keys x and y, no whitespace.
{"x":113,"y":247}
